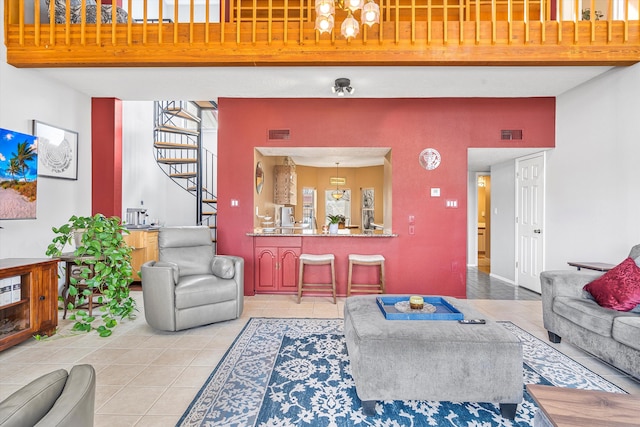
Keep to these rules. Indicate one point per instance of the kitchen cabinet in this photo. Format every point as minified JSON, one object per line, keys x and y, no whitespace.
{"x":276,"y":262}
{"x":481,"y":239}
{"x":285,"y":185}
{"x":145,"y":248}
{"x":36,"y":311}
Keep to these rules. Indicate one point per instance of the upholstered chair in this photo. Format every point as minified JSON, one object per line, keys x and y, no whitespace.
{"x":190,"y":285}
{"x":56,"y":399}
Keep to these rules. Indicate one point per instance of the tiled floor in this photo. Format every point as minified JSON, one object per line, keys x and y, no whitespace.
{"x":148,"y":378}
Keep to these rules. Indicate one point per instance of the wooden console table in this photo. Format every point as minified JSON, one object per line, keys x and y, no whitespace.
{"x":597,"y":266}
{"x":36,"y":312}
{"x":568,"y":407}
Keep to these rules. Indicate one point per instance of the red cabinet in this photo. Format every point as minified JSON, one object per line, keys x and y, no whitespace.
{"x":276,"y":264}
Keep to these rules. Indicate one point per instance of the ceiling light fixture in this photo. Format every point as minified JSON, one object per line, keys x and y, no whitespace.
{"x":341,"y":86}
{"x":337,"y":193}
{"x":325,"y":12}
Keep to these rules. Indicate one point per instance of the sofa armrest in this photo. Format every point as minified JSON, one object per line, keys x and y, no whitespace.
{"x":238,"y":277}
{"x":566,"y":283}
{"x":75,"y":406}
{"x":158,"y":294}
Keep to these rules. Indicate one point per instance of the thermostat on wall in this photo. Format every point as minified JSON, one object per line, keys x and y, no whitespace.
{"x":435,"y":192}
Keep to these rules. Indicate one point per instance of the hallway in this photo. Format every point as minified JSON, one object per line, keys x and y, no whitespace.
{"x":481,"y":286}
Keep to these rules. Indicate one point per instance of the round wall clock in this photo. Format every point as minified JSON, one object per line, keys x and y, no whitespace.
{"x":430,"y":158}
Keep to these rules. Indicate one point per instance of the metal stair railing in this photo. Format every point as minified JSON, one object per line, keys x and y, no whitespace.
{"x":179,"y":153}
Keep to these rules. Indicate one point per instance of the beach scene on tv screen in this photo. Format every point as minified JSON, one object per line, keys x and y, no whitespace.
{"x":18,"y":175}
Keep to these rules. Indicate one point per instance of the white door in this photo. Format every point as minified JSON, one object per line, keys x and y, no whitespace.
{"x":530,"y":221}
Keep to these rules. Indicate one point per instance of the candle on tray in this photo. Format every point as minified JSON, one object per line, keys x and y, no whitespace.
{"x":416,"y":302}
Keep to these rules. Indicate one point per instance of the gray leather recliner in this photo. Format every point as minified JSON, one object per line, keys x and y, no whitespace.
{"x":56,"y":399}
{"x":190,"y":285}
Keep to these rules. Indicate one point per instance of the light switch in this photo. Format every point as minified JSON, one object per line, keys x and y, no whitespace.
{"x":234,"y":203}
{"x":412,"y":229}
{"x":451,"y":203}
{"x":412,"y":219}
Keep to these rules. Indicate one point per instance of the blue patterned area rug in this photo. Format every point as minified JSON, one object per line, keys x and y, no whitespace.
{"x":296,"y":372}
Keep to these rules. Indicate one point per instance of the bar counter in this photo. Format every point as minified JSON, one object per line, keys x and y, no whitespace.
{"x":276,"y":254}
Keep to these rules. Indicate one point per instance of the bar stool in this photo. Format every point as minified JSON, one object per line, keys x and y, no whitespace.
{"x":374,"y":260}
{"x":323,"y":259}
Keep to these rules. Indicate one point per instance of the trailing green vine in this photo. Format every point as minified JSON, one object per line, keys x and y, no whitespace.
{"x":106,"y":259}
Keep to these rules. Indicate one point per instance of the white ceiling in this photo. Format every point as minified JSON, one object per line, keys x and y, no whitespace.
{"x":207,"y":83}
{"x":211,"y":83}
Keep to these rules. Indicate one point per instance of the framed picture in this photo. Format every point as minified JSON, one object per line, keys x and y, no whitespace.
{"x":57,"y":151}
{"x":18,"y":175}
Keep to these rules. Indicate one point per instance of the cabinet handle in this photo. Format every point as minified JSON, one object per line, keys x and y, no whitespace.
{"x":41,"y":298}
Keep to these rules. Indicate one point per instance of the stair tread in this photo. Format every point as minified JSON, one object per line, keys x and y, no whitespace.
{"x":168,"y":160}
{"x":176,"y":129}
{"x":183,"y":175}
{"x":209,"y":200}
{"x":182,"y":113}
{"x":175,"y":145}
{"x":210,"y":213}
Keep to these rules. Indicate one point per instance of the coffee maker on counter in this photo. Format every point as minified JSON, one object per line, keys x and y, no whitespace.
{"x":286,"y":216}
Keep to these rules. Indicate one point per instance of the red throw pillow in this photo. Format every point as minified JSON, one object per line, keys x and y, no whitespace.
{"x":619,"y":288}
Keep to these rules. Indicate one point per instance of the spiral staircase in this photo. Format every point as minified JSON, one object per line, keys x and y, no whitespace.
{"x":179,"y":151}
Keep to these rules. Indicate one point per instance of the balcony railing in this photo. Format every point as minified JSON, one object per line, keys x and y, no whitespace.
{"x":272,"y":32}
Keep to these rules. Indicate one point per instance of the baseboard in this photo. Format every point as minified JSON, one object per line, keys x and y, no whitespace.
{"x":504,"y":279}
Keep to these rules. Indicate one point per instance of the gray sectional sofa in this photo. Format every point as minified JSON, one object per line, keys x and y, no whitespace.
{"x":569,"y":313}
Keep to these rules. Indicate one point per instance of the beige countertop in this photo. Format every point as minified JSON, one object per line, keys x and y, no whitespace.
{"x":258,"y":232}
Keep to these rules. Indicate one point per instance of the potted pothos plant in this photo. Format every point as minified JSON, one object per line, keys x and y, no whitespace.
{"x":106,"y":261}
{"x":334,"y":223}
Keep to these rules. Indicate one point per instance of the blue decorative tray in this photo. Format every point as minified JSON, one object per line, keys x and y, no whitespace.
{"x":444,"y":310}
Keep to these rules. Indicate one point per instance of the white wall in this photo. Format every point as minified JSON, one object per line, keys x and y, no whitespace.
{"x":593,"y":208}
{"x":142,"y":178}
{"x":503,"y":214}
{"x":24,"y":96}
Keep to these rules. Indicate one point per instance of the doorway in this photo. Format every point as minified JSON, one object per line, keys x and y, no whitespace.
{"x":483,"y":191}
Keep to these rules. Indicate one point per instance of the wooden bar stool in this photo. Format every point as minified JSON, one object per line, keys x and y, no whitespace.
{"x":375,"y":260}
{"x":322,"y":259}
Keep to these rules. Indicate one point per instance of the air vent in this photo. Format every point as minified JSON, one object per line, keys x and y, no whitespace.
{"x":511,"y":134}
{"x":279,"y":134}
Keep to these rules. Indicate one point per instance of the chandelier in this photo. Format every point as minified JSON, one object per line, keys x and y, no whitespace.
{"x":337,"y":193}
{"x":325,"y":10}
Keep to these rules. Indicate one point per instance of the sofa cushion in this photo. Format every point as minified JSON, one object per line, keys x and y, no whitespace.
{"x":193,"y":291}
{"x":223,"y":267}
{"x":29,"y":404}
{"x":586,"y":313}
{"x":619,"y":288}
{"x":626,"y":330}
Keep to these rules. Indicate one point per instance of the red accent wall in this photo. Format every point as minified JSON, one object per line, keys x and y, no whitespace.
{"x":431,"y":261}
{"x":106,"y":157}
{"x":118,"y":2}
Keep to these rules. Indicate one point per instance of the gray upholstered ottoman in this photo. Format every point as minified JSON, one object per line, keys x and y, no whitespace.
{"x":440,"y":360}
